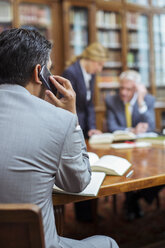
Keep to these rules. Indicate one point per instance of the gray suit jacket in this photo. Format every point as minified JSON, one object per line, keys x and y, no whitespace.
{"x":39,"y":146}
{"x":116,"y":113}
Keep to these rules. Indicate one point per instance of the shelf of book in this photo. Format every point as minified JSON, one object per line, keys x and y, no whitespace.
{"x":140,"y":2}
{"x":105,"y":85}
{"x":158,"y":3}
{"x":78,"y":25}
{"x":108,"y":25}
{"x":39,"y":14}
{"x":6,"y":15}
{"x":108,"y":32}
{"x":36,"y":15}
{"x":108,"y":1}
{"x":131,"y":30}
{"x":159,"y":51}
{"x":138,"y":45}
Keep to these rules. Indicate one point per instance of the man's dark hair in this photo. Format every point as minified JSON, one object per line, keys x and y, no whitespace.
{"x":20,"y":51}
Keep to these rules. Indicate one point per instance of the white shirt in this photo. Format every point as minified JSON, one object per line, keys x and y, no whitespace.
{"x":142,"y":109}
{"x":87,"y":78}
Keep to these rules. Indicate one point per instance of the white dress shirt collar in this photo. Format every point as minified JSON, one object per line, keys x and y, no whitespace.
{"x":87,"y":78}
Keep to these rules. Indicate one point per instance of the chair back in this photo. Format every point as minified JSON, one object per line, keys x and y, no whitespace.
{"x":21,"y":226}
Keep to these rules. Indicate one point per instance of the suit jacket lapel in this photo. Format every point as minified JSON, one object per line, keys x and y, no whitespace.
{"x":121,"y":111}
{"x":80,"y":77}
{"x":135,"y":113}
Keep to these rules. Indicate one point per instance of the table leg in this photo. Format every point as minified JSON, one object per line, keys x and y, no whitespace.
{"x":59,"y":218}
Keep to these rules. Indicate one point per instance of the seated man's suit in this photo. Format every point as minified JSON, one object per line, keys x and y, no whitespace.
{"x":116,"y":120}
{"x":116,"y":113}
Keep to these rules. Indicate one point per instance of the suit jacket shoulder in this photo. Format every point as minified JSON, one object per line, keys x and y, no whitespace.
{"x":111,"y":101}
{"x":73,"y":71}
{"x":149,"y":99}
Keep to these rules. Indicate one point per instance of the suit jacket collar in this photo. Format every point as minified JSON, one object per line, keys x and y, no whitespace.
{"x":14,"y":87}
{"x":80,"y":75}
{"x":79,"y":71}
{"x":121,"y":109}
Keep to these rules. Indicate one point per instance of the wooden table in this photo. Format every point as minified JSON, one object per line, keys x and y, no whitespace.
{"x":148,"y":165}
{"x":159,"y":109}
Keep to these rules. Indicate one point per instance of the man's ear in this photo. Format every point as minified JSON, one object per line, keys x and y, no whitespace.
{"x":36,"y":71}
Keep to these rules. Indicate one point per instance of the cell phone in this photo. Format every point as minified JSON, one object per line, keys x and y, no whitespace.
{"x":44,"y":75}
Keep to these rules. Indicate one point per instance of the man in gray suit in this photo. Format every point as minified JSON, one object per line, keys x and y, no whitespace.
{"x":141,"y":106}
{"x":132,"y":109}
{"x":41,"y":141}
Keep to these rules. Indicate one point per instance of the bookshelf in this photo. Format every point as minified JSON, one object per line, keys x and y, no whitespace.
{"x":45,"y":16}
{"x":138,"y":45}
{"x":143,"y":47}
{"x":158,"y":3}
{"x":36,"y":15}
{"x":108,"y":26}
{"x":141,"y":2}
{"x":6,"y":15}
{"x":78,"y":37}
{"x":131,"y":30}
{"x":108,"y":33}
{"x":78,"y":25}
{"x":159,"y":52}
{"x":111,"y":0}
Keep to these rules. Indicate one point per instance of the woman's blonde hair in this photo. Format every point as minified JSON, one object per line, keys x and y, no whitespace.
{"x":94,"y":51}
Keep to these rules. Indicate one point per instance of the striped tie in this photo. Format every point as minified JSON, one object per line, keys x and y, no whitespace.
{"x":128,"y":115}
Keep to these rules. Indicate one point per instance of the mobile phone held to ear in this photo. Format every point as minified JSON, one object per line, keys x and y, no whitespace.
{"x":44,"y":75}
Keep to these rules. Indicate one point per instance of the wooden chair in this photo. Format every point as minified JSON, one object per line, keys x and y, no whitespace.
{"x":21,"y":226}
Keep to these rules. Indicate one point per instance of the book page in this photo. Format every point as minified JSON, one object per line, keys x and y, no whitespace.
{"x":102,"y":138}
{"x":93,"y":157}
{"x":147,"y":135}
{"x":160,"y":140}
{"x":112,"y":165}
{"x":91,"y":189}
{"x":130,"y":145}
{"x":123,"y":135}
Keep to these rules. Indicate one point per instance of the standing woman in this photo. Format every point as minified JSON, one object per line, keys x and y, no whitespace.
{"x":81,"y":72}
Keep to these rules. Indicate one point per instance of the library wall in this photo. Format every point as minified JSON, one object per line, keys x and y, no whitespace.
{"x":131,"y":30}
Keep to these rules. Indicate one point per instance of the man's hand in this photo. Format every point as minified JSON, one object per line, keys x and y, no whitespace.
{"x":64,"y":87}
{"x":93,"y":131}
{"x":141,"y":91}
{"x":141,"y":127}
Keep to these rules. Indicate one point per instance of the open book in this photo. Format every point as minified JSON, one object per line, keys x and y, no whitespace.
{"x":159,"y":140}
{"x":105,"y":138}
{"x":140,"y":144}
{"x":110,"y":164}
{"x":91,"y":189}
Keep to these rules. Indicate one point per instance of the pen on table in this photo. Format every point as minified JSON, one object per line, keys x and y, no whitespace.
{"x":129,"y":173}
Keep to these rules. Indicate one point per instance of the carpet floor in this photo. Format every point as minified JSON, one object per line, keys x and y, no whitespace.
{"x":145,"y":232}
